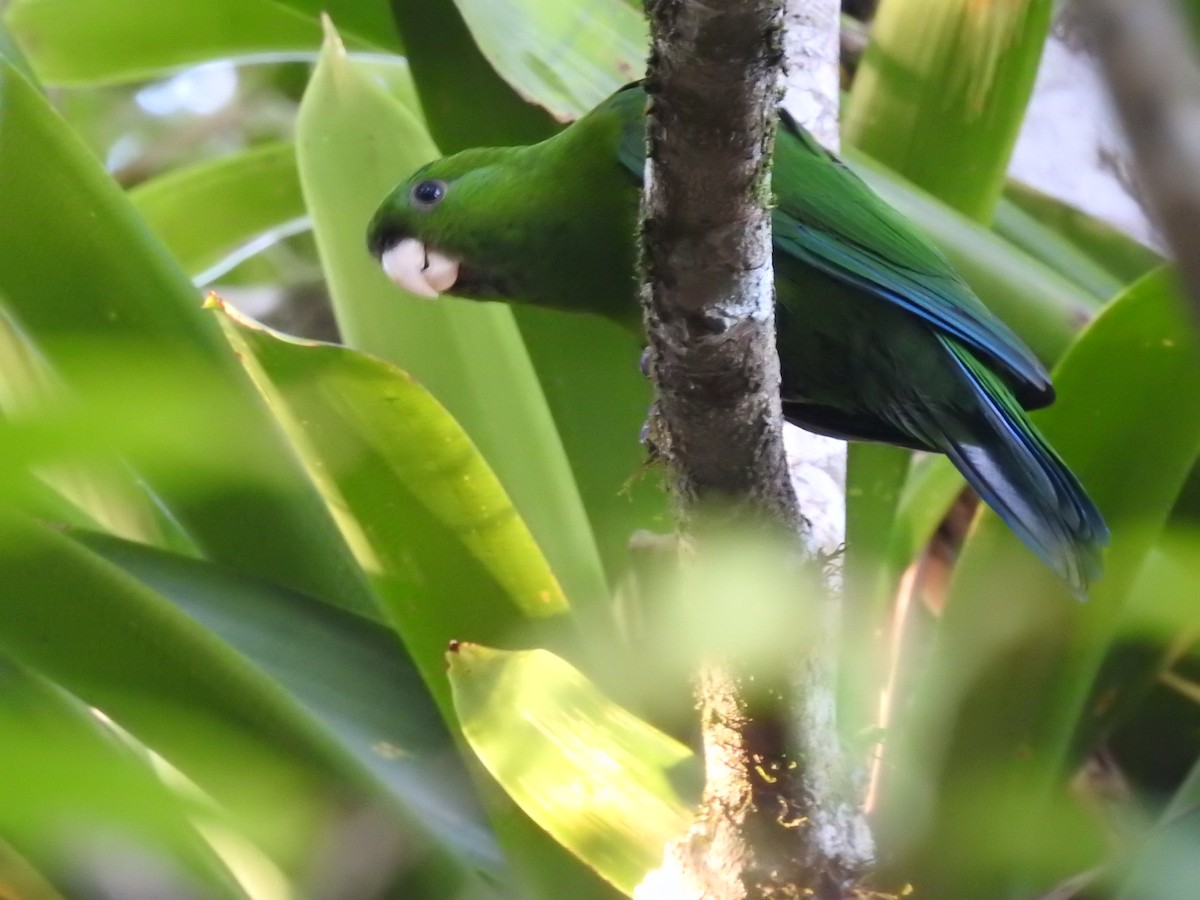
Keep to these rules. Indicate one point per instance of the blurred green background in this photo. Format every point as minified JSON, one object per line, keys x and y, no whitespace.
{"x":232,"y":559}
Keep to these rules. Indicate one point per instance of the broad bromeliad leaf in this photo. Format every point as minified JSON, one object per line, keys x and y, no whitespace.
{"x":1057,"y":251}
{"x":426,"y":517}
{"x":566,"y":56}
{"x":465,"y":102}
{"x":79,"y":804}
{"x":120,"y":326}
{"x":39,"y":429}
{"x":593,"y":775}
{"x":217,"y":212}
{"x":118,"y":646}
{"x":11,"y":50}
{"x":446,"y":551}
{"x":1007,"y":695}
{"x":369,"y":21}
{"x":1118,"y":253}
{"x":82,"y":42}
{"x":354,"y":142}
{"x":941,"y":92}
{"x":349,"y":673}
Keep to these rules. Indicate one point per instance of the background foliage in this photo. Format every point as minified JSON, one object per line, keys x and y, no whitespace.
{"x":233,"y":560}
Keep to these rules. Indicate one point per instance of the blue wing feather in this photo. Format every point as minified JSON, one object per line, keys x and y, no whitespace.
{"x":827,"y":218}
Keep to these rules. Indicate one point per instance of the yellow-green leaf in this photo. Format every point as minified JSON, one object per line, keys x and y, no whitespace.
{"x":588,"y":771}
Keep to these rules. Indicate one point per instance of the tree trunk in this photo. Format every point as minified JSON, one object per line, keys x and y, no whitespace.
{"x":778,"y":817}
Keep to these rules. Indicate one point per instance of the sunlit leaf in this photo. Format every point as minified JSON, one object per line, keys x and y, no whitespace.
{"x":445,"y":550}
{"x":354,"y":143}
{"x":417,"y":502}
{"x":589,"y":772}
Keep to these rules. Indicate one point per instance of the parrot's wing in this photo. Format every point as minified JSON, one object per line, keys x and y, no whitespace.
{"x":829,"y":219}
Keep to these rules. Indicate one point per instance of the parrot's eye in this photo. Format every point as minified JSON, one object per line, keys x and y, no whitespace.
{"x":429,"y":193}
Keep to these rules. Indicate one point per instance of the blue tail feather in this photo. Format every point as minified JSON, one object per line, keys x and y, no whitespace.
{"x":1023,"y":479}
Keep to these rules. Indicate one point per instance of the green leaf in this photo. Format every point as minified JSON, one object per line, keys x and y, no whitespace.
{"x":446,"y":552}
{"x":354,"y":143}
{"x":589,"y":369}
{"x":20,"y":877}
{"x":566,"y":56}
{"x":60,"y":764}
{"x":1055,"y":250}
{"x":82,"y":42}
{"x":932,"y":487}
{"x":121,"y":648}
{"x":209,"y":213}
{"x":425,"y":515}
{"x":875,"y":475}
{"x":465,"y":102}
{"x":11,"y":50}
{"x":941,"y":92}
{"x":1006,"y":694}
{"x":348,"y":673}
{"x":95,"y":488}
{"x":589,"y":772}
{"x":87,"y":304}
{"x":1120,"y":254}
{"x":366,"y":20}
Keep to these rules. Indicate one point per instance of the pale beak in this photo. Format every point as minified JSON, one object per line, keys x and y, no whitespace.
{"x":418,"y":269}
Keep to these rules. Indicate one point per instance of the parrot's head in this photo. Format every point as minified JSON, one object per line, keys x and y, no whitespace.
{"x":550,"y":224}
{"x":432,"y":232}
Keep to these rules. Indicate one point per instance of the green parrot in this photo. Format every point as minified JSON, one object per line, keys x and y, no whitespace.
{"x":879,"y":339}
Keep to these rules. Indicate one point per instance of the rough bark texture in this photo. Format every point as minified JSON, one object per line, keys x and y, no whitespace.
{"x":777,"y":819}
{"x":1146,"y":51}
{"x":812,"y":46}
{"x":714,"y":83}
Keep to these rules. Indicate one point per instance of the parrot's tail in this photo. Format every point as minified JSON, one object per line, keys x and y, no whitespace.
{"x":1018,"y":474}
